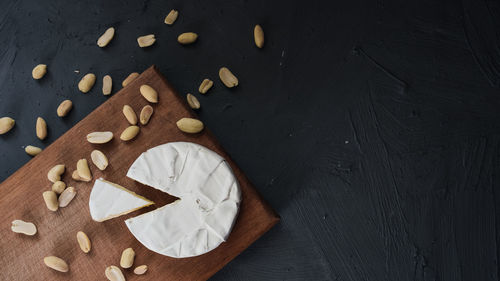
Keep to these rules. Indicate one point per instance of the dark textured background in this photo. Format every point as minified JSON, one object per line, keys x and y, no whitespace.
{"x":370,"y":126}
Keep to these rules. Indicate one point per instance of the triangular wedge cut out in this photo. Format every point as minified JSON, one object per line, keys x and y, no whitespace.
{"x":109,"y":200}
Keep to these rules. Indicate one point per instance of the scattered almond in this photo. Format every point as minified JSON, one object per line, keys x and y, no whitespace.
{"x":75,"y":176}
{"x":190,"y":125}
{"x":192,"y":101}
{"x":39,"y":71}
{"x":205,"y":86}
{"x":228,"y":78}
{"x":66,"y":196}
{"x":41,"y":128}
{"x":258,"y":35}
{"x":107,"y":85}
{"x":141,"y":269}
{"x":50,"y":198}
{"x":145,"y":115}
{"x":171,"y":17}
{"x":32,"y":150}
{"x":55,"y":173}
{"x":129,"y":133}
{"x":82,"y":166}
{"x":58,"y":187}
{"x":187,"y":38}
{"x":99,"y":159}
{"x":87,"y":83}
{"x":149,"y":93}
{"x":83,"y":241}
{"x":6,"y":123}
{"x":113,"y":273}
{"x":129,"y":113}
{"x":64,"y":108}
{"x":99,"y":137}
{"x":56,"y":263}
{"x":26,"y":228}
{"x":131,"y":77}
{"x":146,"y":40}
{"x":127,"y":259}
{"x":108,"y":35}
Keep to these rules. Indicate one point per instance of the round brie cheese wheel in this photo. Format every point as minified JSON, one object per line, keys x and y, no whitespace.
{"x":208,"y":206}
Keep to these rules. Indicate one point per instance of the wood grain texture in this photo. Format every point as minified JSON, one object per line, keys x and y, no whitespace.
{"x":22,"y":256}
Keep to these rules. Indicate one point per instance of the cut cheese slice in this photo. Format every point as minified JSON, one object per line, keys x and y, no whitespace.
{"x":109,"y":200}
{"x":209,"y":201}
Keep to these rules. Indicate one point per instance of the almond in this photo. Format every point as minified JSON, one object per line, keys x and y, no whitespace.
{"x":127,"y":259}
{"x":6,"y":123}
{"x":129,"y":113}
{"x":41,"y":128}
{"x":108,"y":35}
{"x":83,"y":241}
{"x":64,"y":108}
{"x":99,"y":137}
{"x":187,"y":38}
{"x":258,"y":35}
{"x":149,"y":93}
{"x":145,"y":115}
{"x":107,"y":85}
{"x":56,"y":263}
{"x":75,"y":176}
{"x":55,"y":173}
{"x":26,"y":228}
{"x":32,"y":150}
{"x":146,"y":40}
{"x":205,"y":86}
{"x":113,"y":273}
{"x":58,"y":187}
{"x":171,"y":17}
{"x":192,"y":101}
{"x":66,"y":196}
{"x":129,"y":133}
{"x":99,"y":159}
{"x":228,"y":78}
{"x":87,"y":82}
{"x":82,"y":166}
{"x":190,"y":125}
{"x":131,"y":77}
{"x":141,"y":269}
{"x":50,"y":198}
{"x":39,"y":71}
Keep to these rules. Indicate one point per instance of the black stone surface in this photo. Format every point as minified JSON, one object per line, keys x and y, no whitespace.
{"x":370,"y":126}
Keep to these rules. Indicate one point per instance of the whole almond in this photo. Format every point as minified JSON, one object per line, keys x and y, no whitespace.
{"x":55,"y":173}
{"x":87,"y":83}
{"x":106,"y":37}
{"x":82,"y":166}
{"x":146,"y":40}
{"x":258,"y":35}
{"x":129,"y":113}
{"x":187,"y":38}
{"x":41,"y":128}
{"x":99,"y":137}
{"x":141,"y":269}
{"x":39,"y":71}
{"x":32,"y":150}
{"x":193,"y":101}
{"x":64,"y":108}
{"x":26,"y":228}
{"x":205,"y":86}
{"x":129,"y":133}
{"x":131,"y":77}
{"x":145,"y":115}
{"x":58,"y":187}
{"x":149,"y":93}
{"x":107,"y":85}
{"x":75,"y":176}
{"x":171,"y":17}
{"x":83,"y":241}
{"x":99,"y":159}
{"x":66,"y":196}
{"x":127,"y":259}
{"x":50,"y":198}
{"x":56,"y":263}
{"x":6,"y":123}
{"x":228,"y":78}
{"x":190,"y":125}
{"x":113,"y":273}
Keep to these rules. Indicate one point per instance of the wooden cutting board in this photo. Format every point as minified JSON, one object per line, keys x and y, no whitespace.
{"x":22,"y":256}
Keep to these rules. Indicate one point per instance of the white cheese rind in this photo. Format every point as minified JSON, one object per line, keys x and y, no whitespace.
{"x":209,"y":199}
{"x":108,"y":200}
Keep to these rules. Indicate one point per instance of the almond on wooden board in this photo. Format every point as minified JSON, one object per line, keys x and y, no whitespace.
{"x":129,"y":133}
{"x":26,"y":228}
{"x":106,"y":37}
{"x":56,"y":263}
{"x":171,"y":17}
{"x":39,"y":71}
{"x":66,"y":197}
{"x":131,"y":77}
{"x":99,"y":159}
{"x":64,"y":108}
{"x":114,"y":273}
{"x":205,"y":85}
{"x":75,"y":176}
{"x":83,"y":241}
{"x":130,"y":115}
{"x":99,"y":137}
{"x":82,"y":166}
{"x":141,"y":269}
{"x":149,"y":93}
{"x":58,"y":187}
{"x":145,"y":115}
{"x":107,"y":85}
{"x":50,"y":198}
{"x":227,"y":77}
{"x":55,"y":172}
{"x":87,"y":82}
{"x":127,"y":259}
{"x":6,"y":124}
{"x":41,"y":128}
{"x":190,"y":125}
{"x":32,"y":150}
